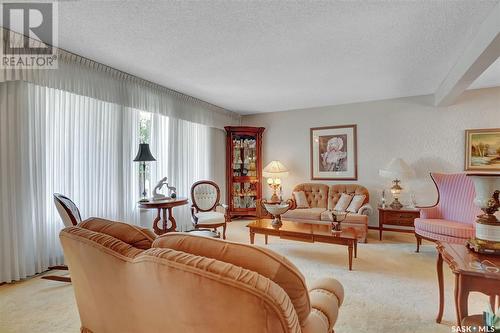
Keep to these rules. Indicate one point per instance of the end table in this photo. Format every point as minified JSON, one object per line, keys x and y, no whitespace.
{"x":396,"y":217}
{"x":473,"y":272}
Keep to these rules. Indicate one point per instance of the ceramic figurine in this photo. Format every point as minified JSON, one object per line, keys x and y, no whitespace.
{"x":159,"y":196}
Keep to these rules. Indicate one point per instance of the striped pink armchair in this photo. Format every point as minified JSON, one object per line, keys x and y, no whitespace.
{"x":452,"y":218}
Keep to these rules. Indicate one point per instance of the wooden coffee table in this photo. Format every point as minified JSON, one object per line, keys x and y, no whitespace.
{"x":306,"y":232}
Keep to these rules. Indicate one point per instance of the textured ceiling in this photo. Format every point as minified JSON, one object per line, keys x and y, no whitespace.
{"x":258,"y":56}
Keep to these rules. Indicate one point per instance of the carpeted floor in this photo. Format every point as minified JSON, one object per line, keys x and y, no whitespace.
{"x":391,"y":288}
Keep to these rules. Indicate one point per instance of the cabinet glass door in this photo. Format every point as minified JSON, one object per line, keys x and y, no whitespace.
{"x":244,"y":168}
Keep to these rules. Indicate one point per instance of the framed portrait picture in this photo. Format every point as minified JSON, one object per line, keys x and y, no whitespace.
{"x":482,"y":149}
{"x":334,"y":153}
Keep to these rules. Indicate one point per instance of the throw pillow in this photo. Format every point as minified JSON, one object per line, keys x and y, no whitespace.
{"x":356,"y":203}
{"x":343,"y":202}
{"x":300,"y":199}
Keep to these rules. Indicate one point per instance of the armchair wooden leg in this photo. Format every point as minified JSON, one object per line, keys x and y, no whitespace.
{"x":57,"y":278}
{"x":419,"y":242}
{"x":59,"y":267}
{"x":224,"y":231}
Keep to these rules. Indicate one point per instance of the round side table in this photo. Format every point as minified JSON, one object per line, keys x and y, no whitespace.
{"x":164,"y":209}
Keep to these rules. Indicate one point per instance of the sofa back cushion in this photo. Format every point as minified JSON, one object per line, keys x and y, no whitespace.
{"x":140,"y":238}
{"x":265,"y":262}
{"x":336,"y":191}
{"x":316,"y":194}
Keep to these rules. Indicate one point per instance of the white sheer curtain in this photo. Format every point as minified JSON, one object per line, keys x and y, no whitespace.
{"x":55,"y":141}
{"x":186,"y":152}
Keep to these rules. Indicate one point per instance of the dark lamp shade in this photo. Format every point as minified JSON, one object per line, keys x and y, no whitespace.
{"x":144,"y":154}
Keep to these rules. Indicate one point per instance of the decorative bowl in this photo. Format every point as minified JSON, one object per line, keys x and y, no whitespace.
{"x":276,"y":210}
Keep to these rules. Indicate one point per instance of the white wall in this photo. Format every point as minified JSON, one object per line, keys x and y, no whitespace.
{"x":426,"y":137}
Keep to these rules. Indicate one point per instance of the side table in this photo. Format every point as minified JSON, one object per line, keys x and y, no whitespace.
{"x":473,"y":272}
{"x":162,"y":208}
{"x":396,"y":217}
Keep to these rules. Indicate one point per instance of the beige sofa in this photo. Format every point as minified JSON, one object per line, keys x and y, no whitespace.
{"x":126,"y":280}
{"x":322,"y":199}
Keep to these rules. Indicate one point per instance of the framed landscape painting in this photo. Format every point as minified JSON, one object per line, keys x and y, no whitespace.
{"x":482,"y":149}
{"x":334,"y":153}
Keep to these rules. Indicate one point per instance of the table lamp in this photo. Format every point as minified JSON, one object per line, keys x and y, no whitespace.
{"x":274,"y":171}
{"x":396,"y":170}
{"x":144,"y":155}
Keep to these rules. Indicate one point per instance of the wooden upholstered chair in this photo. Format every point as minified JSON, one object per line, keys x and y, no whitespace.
{"x":452,"y":218}
{"x":70,"y":216}
{"x":205,"y":199}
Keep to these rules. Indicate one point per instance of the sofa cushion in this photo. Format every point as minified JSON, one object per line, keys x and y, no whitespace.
{"x":265,"y":262}
{"x":138,"y":237}
{"x":350,"y":218}
{"x":356,"y":203}
{"x":316,"y":194}
{"x":305,"y":213}
{"x":343,"y":202}
{"x":445,"y":227}
{"x":300,"y":199}
{"x":335,"y":191}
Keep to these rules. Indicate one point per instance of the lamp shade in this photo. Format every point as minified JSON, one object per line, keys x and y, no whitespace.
{"x":397,"y":169}
{"x":144,"y":154}
{"x":275,"y":169}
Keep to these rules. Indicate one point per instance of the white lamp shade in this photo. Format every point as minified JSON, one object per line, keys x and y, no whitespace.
{"x":275,"y":169}
{"x":397,"y":169}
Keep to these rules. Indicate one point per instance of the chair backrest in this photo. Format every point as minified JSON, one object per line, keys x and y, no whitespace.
{"x":205,"y":195}
{"x":336,"y":191}
{"x":456,"y":197}
{"x":116,"y":285}
{"x":67,"y":209}
{"x":316,"y":194}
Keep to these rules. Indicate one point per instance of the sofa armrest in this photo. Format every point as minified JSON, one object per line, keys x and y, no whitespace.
{"x":432,"y":212}
{"x":366,"y":209}
{"x":316,"y":322}
{"x":292,"y":203}
{"x":326,"y":295}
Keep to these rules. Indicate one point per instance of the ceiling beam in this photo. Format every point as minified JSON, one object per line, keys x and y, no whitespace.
{"x":482,"y":51}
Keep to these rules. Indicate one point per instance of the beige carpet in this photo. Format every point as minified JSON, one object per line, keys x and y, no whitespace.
{"x":391,"y":288}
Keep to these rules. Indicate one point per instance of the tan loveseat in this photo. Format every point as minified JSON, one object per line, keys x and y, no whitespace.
{"x":322,"y":199}
{"x":126,"y":280}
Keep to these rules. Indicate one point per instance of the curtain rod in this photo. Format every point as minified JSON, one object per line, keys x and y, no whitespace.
{"x":125,"y":75}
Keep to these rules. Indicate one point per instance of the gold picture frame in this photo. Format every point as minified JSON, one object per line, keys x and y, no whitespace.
{"x":482,"y":149}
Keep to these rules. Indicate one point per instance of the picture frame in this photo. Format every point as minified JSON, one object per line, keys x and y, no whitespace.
{"x":482,"y":149}
{"x":333,"y":151}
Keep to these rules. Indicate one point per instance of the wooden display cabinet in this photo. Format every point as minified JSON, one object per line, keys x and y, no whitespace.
{"x":243,"y":169}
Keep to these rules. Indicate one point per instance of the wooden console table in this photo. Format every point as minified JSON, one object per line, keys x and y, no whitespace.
{"x":396,"y":217}
{"x":163,"y":207}
{"x":473,"y":272}
{"x":307,"y":232}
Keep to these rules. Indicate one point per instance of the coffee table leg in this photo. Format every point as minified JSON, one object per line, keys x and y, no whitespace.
{"x":439,"y":268}
{"x":265,"y":238}
{"x":349,"y":249}
{"x":355,"y":248}
{"x":252,"y":236}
